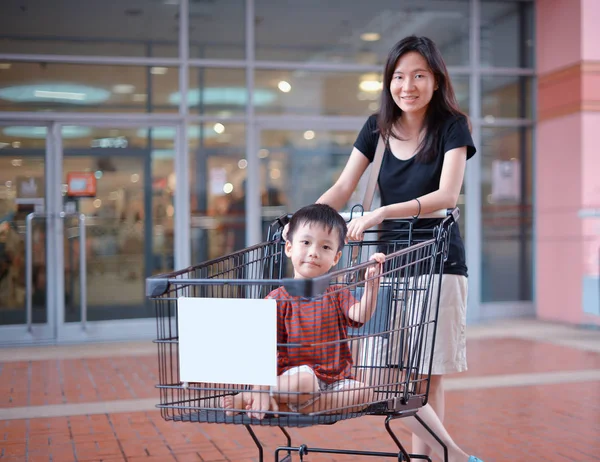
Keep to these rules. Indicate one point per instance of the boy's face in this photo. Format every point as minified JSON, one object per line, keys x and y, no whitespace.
{"x":314,"y":250}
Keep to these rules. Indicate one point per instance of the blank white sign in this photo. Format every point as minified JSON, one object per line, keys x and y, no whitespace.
{"x":227,"y":340}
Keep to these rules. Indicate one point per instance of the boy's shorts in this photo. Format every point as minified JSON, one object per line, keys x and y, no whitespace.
{"x":323,"y":386}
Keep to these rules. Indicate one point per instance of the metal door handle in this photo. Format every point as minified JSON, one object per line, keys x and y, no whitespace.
{"x":82,"y":265}
{"x":29,"y":267}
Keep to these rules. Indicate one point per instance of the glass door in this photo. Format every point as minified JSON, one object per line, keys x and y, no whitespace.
{"x":25,"y":316}
{"x":120,"y":182}
{"x":86,"y":215}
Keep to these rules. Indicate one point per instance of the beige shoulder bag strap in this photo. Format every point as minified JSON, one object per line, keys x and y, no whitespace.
{"x":375,"y":169}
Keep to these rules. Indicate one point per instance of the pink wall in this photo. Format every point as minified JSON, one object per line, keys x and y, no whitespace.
{"x":558,"y":228}
{"x":558,"y":39}
{"x":567,"y":156}
{"x":591,"y":30}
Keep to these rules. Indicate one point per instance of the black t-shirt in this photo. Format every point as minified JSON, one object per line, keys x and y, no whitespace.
{"x":405,"y":180}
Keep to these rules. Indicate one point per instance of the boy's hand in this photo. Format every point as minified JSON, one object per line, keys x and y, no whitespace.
{"x":375,"y":270}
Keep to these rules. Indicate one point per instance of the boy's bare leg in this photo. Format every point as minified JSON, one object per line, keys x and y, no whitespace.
{"x":342,"y":401}
{"x":298,"y":388}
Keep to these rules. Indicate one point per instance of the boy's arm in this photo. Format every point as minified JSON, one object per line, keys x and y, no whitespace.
{"x":361,"y":311}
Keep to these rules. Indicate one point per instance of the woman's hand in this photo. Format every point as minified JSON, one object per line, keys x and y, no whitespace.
{"x":358,"y":226}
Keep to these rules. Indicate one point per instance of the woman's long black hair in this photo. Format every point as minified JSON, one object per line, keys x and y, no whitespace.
{"x":443,"y":103}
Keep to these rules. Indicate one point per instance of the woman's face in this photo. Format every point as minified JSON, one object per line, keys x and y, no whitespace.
{"x":412,"y":84}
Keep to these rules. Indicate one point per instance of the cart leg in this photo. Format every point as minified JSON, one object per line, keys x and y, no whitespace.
{"x":256,"y":441}
{"x":434,"y":435}
{"x":403,"y":454}
{"x":287,"y":458}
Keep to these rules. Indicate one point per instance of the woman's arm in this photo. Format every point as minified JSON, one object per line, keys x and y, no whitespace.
{"x":338,"y":195}
{"x":453,"y":171}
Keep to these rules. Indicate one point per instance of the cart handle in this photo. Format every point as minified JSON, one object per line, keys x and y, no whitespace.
{"x":449,"y":215}
{"x":442,"y":213}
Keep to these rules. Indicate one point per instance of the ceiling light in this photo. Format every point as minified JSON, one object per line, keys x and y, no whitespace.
{"x":168,"y":133}
{"x":263,"y":153}
{"x":284,"y":86}
{"x":139,"y":97}
{"x":58,"y":92}
{"x":135,"y":178}
{"x":69,"y":95}
{"x":242,"y":164}
{"x":370,"y":36}
{"x":67,"y":131}
{"x":156,"y":70}
{"x":97,"y":203}
{"x":370,"y":84}
{"x":227,"y":188}
{"x":219,"y":128}
{"x":5,"y":66}
{"x":123,"y":89}
{"x":309,"y":135}
{"x":228,"y":96}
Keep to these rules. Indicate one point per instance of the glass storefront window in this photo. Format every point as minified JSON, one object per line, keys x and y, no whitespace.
{"x":87,"y":88}
{"x":507,"y":33}
{"x":509,"y":97}
{"x":507,"y":215}
{"x":218,"y":188}
{"x":280,"y":92}
{"x":358,"y":32}
{"x":219,"y":92}
{"x":217,"y":30}
{"x":92,"y":28}
{"x":316,"y":93}
{"x":289,"y":159}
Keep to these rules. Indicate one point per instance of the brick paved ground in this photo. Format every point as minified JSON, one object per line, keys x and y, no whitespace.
{"x":550,"y":412}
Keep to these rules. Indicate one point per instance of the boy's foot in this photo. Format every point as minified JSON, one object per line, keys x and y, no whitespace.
{"x":260,"y":403}
{"x":232,"y":402}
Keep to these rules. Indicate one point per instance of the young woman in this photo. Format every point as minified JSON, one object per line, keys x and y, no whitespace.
{"x":428,"y":142}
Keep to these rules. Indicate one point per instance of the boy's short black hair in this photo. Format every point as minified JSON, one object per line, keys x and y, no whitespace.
{"x":321,"y":214}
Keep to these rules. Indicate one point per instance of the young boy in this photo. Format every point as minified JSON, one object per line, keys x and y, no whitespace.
{"x":316,"y":375}
{"x":313,"y":376}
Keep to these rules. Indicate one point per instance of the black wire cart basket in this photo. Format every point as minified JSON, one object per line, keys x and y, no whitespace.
{"x":382,"y":365}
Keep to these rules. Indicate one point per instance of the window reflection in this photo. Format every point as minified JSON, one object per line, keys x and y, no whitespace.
{"x":507,"y":33}
{"x":87,"y":88}
{"x":357,"y":32}
{"x":506,"y":197}
{"x":217,"y":178}
{"x":508,"y":97}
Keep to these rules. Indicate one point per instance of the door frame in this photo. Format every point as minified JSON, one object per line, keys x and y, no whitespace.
{"x":56,"y":330}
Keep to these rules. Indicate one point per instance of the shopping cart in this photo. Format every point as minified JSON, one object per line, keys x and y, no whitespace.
{"x":391,"y":353}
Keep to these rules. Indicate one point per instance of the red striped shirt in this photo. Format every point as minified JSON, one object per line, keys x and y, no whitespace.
{"x":309,"y":323}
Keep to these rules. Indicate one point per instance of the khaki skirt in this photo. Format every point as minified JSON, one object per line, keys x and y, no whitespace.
{"x":413,"y":329}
